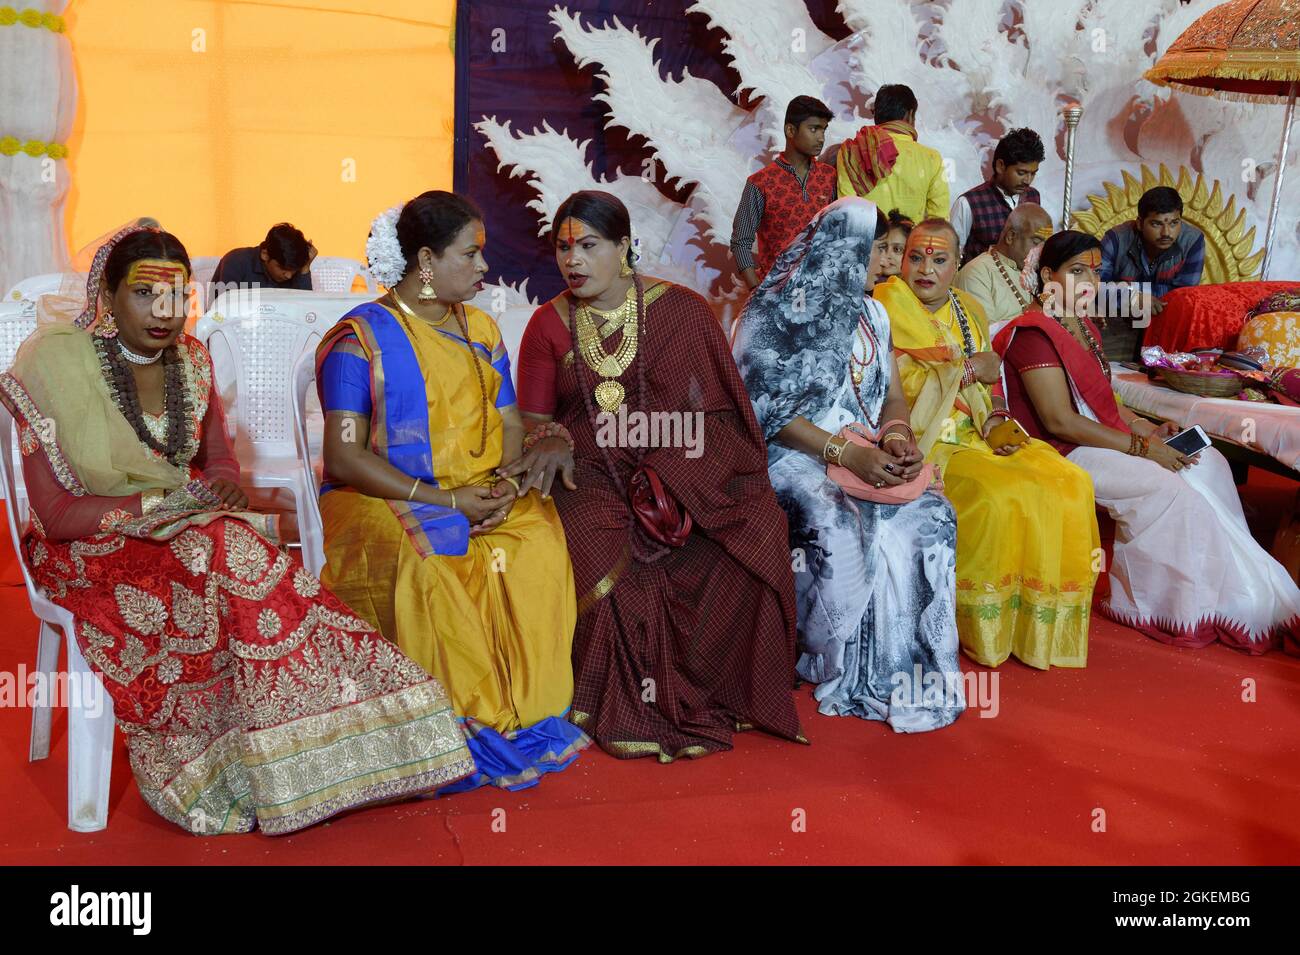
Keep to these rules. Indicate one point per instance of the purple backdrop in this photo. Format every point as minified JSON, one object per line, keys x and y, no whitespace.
{"x":537,"y":78}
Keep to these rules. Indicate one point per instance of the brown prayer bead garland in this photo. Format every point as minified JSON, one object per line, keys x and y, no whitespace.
{"x":176,"y":401}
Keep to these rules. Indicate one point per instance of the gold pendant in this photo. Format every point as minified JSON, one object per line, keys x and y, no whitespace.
{"x":857,"y":376}
{"x":609,"y":367}
{"x":609,"y":395}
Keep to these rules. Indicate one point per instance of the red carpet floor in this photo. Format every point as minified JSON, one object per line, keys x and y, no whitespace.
{"x":1154,"y":742}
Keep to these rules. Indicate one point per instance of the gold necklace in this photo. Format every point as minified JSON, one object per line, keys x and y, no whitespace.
{"x":410,"y":313}
{"x":609,"y":393}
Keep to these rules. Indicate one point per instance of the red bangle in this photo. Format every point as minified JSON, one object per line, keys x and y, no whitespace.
{"x":548,"y":429}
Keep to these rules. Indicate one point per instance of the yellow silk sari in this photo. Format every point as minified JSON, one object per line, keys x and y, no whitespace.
{"x":1026,"y":523}
{"x":494,"y":622}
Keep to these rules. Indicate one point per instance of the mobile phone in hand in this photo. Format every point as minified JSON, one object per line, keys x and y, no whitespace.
{"x":1190,"y":442}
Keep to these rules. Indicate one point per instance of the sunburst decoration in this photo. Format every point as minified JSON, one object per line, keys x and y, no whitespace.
{"x":1228,"y":243}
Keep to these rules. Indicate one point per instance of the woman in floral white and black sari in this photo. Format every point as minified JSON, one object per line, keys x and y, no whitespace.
{"x":874,"y":582}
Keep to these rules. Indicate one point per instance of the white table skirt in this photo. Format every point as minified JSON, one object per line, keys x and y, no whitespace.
{"x":1275,"y":429}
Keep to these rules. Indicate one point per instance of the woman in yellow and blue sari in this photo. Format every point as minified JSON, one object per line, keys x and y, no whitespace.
{"x":423,"y":537}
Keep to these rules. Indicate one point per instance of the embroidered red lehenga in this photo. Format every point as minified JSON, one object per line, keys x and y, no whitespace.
{"x":249,"y":695}
{"x":674,"y":650}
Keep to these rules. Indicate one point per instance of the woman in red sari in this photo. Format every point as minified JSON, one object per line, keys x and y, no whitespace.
{"x":640,"y":422}
{"x":249,"y":695}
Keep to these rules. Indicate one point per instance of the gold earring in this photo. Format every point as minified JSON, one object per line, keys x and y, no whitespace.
{"x":625,"y":270}
{"x":106,"y":327}
{"x":427,"y":293}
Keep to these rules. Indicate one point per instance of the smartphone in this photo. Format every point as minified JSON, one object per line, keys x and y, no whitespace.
{"x":1008,"y":431}
{"x":1190,"y":442}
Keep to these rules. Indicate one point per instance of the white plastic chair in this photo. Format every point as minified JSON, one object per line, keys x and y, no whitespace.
{"x":17,"y":321}
{"x":256,"y":339}
{"x":202,"y":268}
{"x":90,"y":710}
{"x":334,"y":274}
{"x":32,"y":288}
{"x":311,"y":530}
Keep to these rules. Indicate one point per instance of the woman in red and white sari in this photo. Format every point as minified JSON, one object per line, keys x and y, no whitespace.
{"x":248,"y":693}
{"x":1185,"y":569}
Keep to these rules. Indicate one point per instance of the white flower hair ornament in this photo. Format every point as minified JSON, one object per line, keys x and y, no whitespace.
{"x":383,"y":251}
{"x":636,"y":247}
{"x":1029,"y":274}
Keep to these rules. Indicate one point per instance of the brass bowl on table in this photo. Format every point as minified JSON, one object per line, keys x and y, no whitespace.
{"x":1207,"y":385}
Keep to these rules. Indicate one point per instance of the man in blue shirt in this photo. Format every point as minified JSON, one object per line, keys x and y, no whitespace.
{"x":1159,"y":252}
{"x":283,"y":260}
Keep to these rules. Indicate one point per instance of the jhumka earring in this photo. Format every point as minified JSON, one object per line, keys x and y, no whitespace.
{"x":427,"y":293}
{"x":106,"y":327}
{"x":626,"y":269}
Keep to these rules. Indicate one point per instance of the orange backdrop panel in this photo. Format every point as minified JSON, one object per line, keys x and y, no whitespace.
{"x":222,"y":117}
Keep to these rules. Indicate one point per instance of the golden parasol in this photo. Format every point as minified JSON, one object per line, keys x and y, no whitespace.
{"x":1244,"y":50}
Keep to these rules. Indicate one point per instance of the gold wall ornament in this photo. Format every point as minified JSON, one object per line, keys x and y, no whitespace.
{"x":1228,"y":243}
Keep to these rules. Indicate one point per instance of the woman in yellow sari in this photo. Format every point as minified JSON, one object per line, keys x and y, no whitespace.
{"x":1026,"y":523}
{"x":423,"y":537}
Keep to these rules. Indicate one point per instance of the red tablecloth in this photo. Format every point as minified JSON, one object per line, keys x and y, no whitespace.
{"x":1208,"y":316}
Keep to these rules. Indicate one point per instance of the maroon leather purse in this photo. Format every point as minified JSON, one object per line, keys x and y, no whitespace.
{"x":659,"y":514}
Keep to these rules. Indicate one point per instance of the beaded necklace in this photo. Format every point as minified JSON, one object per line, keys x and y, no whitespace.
{"x":968,"y":343}
{"x":181,"y":444}
{"x":997,"y":260}
{"x":1084,"y":337}
{"x":858,"y":369}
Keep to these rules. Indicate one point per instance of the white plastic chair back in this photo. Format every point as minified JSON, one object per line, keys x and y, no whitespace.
{"x":90,"y":709}
{"x":311,"y":531}
{"x":334,"y":274}
{"x":17,"y":321}
{"x":255,"y":337}
{"x":32,"y":288}
{"x":16,"y":513}
{"x":202,"y":268}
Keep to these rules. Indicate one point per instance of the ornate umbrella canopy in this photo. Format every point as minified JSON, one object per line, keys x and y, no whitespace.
{"x":1246,"y":50}
{"x":1243,"y":49}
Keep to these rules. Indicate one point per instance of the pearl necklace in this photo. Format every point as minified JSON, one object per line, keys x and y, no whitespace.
{"x":135,"y":359}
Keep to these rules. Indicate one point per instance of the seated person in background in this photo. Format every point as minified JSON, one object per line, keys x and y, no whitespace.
{"x":979,"y":214}
{"x":782,"y":197}
{"x":1157,"y":249}
{"x":1186,"y":570}
{"x":887,"y":251}
{"x":993,"y":278}
{"x":885,"y":164}
{"x":1026,"y":525}
{"x":283,"y":260}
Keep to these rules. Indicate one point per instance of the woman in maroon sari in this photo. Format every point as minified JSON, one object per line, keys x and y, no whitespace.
{"x":639,"y":419}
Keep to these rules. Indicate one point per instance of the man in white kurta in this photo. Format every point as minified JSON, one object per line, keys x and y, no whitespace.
{"x":993,"y":277}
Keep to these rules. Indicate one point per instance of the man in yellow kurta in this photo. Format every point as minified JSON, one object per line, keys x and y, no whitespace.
{"x":887,"y":165}
{"x":1027,"y":540}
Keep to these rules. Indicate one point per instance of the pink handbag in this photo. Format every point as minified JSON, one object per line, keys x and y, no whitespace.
{"x":854,"y":486}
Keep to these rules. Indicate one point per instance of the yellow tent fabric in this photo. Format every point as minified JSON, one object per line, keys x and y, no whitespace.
{"x":221,"y":118}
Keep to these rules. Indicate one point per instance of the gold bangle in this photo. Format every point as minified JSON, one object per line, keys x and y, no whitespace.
{"x":411,"y":493}
{"x":514,"y":482}
{"x":892,"y":435}
{"x":832,"y":452}
{"x":453,"y":499}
